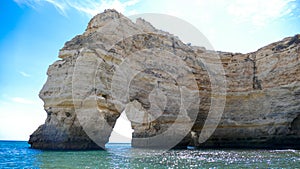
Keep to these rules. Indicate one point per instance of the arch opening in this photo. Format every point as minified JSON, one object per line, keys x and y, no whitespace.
{"x":122,"y":131}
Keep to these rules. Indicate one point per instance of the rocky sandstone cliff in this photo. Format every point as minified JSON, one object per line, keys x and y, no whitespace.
{"x":262,"y":108}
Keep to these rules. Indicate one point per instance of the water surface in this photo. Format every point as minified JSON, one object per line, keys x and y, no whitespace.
{"x":14,"y":154}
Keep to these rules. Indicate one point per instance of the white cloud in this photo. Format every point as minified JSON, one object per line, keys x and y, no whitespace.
{"x":22,"y":100}
{"x":89,"y":7}
{"x":233,"y":25}
{"x":259,"y":12}
{"x":18,"y":121}
{"x":25,"y":74}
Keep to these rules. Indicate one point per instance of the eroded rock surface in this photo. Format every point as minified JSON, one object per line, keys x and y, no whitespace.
{"x":87,"y":90}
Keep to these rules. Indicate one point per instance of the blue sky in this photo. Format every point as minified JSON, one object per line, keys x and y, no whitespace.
{"x":33,"y":31}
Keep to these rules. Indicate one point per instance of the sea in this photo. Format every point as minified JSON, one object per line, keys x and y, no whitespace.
{"x":18,"y":154}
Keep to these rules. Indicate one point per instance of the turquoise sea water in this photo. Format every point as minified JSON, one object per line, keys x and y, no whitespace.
{"x":15,"y":154}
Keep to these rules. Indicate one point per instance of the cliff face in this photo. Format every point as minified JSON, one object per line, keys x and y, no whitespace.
{"x":262,"y":102}
{"x":168,"y":89}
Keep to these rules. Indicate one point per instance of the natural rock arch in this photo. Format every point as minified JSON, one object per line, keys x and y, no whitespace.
{"x":79,"y":88}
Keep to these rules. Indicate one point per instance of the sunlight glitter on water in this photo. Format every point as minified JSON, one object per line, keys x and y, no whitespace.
{"x":19,"y":155}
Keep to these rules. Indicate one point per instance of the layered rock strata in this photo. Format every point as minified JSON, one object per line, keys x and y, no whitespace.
{"x":117,"y":65}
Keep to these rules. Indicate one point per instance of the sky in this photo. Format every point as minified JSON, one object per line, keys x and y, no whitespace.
{"x":33,"y":31}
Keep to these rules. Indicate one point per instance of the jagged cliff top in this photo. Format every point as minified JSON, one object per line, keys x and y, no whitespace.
{"x":141,"y":25}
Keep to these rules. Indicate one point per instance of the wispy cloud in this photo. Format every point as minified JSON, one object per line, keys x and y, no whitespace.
{"x":259,"y":12}
{"x":25,"y":74}
{"x":89,"y":7}
{"x":22,"y":100}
